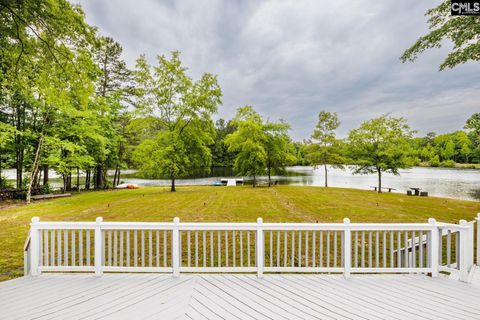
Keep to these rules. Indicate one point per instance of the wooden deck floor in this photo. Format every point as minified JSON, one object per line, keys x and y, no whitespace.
{"x":128,"y":296}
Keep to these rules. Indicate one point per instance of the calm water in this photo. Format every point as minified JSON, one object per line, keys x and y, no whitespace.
{"x":440,"y":182}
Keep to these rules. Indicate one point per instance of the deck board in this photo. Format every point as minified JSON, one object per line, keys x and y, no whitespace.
{"x":239,"y":296}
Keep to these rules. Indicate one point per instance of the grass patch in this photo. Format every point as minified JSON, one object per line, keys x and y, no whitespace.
{"x":213,"y":204}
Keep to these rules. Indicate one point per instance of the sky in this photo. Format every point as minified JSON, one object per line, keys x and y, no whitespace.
{"x":292,"y":59}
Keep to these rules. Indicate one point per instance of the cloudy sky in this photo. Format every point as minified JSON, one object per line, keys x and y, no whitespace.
{"x":291,"y":59}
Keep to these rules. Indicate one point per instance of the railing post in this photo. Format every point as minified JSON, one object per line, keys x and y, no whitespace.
{"x":434,"y":247}
{"x":466,"y":251}
{"x":347,"y":248}
{"x":260,"y":248}
{"x":34,"y":247}
{"x":176,"y":247}
{"x":98,"y":247}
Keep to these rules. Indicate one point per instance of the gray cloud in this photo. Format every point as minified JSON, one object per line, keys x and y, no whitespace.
{"x":291,"y":59}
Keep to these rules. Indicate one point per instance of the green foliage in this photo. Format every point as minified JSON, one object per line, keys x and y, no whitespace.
{"x":182,"y":110}
{"x":381,"y":145}
{"x":462,"y":31}
{"x":260,"y":147}
{"x":324,"y":148}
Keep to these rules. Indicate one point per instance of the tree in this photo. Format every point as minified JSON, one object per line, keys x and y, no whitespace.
{"x":184,"y":109}
{"x":473,"y":127}
{"x":278,"y":147}
{"x":248,"y":141}
{"x":381,"y":145}
{"x":324,"y":149}
{"x":462,"y":31}
{"x":112,"y":92}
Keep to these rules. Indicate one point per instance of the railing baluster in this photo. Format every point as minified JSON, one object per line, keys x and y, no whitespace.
{"x":335,"y":252}
{"x":211,"y":249}
{"x":135,"y":248}
{"x":234,"y":252}
{"x":363,"y":249}
{"x":278,"y":249}
{"x":392,"y":262}
{"x":59,"y":247}
{"x":196,"y":249}
{"x":157,"y":248}
{"x":45,"y":248}
{"x":204,"y":236}
{"x":413,"y":259}
{"x":80,"y":247}
{"x":328,"y":249}
{"x":420,"y":250}
{"x":65,"y":247}
{"x":88,"y":248}
{"x":321,"y":250}
{"x":370,"y":249}
{"x":399,"y":250}
{"x":115,"y":248}
{"x":240,"y":236}
{"x":165,"y":248}
{"x":120,"y":245}
{"x":271,"y":249}
{"x":384,"y":248}
{"x":355,"y":253}
{"x":406,"y":249}
{"x":457,"y":251}
{"x":449,"y":247}
{"x":313,"y":249}
{"x":150,"y":248}
{"x":299,"y":248}
{"x":143,"y":248}
{"x":219,"y":242}
{"x":127,"y":249}
{"x":377,"y":250}
{"x":248,"y":248}
{"x":293,"y":248}
{"x":52,"y":248}
{"x":226,"y":248}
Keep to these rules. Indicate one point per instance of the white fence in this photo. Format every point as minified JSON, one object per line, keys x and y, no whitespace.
{"x":176,"y":247}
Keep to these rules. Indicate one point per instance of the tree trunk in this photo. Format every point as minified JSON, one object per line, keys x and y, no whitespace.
{"x":78,"y":179}
{"x":254,"y":180}
{"x":45,"y":174}
{"x":98,"y":177}
{"x":87,"y":179}
{"x":326,"y":173}
{"x":379,"y":180}
{"x":172,"y":188}
{"x":269,"y":176}
{"x":19,"y":162}
{"x":33,"y":174}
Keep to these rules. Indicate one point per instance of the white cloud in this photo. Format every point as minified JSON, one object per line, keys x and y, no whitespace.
{"x":291,"y":59}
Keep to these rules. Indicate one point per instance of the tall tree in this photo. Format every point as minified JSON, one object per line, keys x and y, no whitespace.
{"x":324,"y":149}
{"x":381,"y":145}
{"x":462,"y":31}
{"x":112,"y":90}
{"x":184,"y":109}
{"x":278,"y":147}
{"x":248,"y":141}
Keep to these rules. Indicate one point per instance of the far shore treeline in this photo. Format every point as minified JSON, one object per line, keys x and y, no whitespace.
{"x":69,"y":102}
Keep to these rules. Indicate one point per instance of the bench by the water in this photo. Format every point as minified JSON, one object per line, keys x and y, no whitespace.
{"x":417,"y":192}
{"x":232,"y":182}
{"x":386,"y":188}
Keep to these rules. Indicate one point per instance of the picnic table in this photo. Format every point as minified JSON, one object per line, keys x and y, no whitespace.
{"x":416,"y":191}
{"x":386,"y":188}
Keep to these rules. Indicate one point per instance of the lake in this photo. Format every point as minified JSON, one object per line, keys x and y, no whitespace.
{"x":440,"y":182}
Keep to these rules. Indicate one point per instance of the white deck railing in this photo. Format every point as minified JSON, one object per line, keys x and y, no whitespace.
{"x":176,"y":247}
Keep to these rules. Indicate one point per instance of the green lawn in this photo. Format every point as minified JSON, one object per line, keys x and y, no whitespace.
{"x":277,"y":204}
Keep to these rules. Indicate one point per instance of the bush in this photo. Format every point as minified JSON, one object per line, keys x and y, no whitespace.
{"x":434,"y":162}
{"x":5,"y":184}
{"x":448,"y":164}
